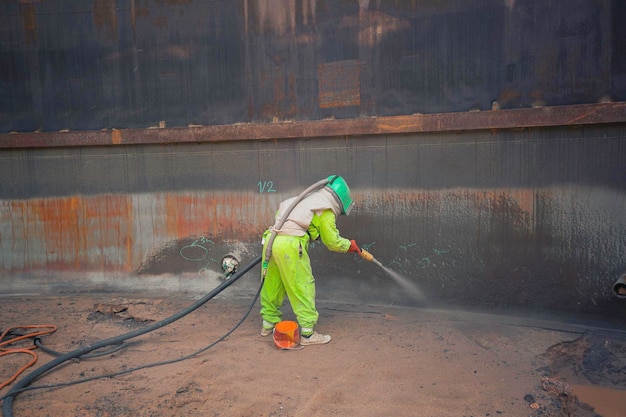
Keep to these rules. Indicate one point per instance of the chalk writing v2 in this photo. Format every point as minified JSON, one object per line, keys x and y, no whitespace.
{"x":266,"y":187}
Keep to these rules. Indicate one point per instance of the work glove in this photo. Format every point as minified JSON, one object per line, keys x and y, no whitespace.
{"x":354,"y":247}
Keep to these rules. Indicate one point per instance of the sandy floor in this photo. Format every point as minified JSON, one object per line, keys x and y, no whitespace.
{"x":382,"y":361}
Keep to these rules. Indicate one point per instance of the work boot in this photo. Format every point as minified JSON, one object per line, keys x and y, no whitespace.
{"x":267,"y":329}
{"x":315,"y":339}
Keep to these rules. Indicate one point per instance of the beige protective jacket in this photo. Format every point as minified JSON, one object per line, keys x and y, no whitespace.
{"x":300,"y":217}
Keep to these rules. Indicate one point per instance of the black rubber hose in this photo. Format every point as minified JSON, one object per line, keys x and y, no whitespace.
{"x":148,"y":365}
{"x":37,"y":341}
{"x":7,"y":406}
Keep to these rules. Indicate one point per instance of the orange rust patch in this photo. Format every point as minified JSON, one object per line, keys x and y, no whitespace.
{"x":116,"y":137}
{"x":75,"y":232}
{"x":339,"y":84}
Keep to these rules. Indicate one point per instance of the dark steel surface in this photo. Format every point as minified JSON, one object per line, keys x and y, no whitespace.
{"x":87,"y":66}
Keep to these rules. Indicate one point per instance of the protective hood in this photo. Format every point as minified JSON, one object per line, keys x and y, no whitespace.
{"x":300,"y":217}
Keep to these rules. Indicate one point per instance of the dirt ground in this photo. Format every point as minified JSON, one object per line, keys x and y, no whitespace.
{"x":382,"y":361}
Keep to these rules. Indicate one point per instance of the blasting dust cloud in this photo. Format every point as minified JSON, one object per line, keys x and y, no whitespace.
{"x":407,"y":285}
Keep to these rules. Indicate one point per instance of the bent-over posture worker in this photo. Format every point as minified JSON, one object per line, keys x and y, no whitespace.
{"x":289,"y":267}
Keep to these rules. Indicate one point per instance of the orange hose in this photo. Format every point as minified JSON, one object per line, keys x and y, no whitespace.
{"x":50,"y":328}
{"x":23,"y":368}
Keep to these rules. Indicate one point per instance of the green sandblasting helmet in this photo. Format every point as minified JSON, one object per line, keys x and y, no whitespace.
{"x":342,"y":191}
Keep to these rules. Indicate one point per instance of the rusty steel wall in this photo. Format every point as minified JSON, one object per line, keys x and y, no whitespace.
{"x":110,"y":64}
{"x":484,"y":141}
{"x":526,"y":219}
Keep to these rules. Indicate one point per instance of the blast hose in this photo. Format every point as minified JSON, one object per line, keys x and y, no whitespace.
{"x":7,"y":406}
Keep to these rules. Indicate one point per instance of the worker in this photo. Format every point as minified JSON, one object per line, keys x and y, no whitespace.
{"x":289,"y":267}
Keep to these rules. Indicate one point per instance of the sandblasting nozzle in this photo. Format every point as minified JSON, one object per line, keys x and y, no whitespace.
{"x":369,"y":257}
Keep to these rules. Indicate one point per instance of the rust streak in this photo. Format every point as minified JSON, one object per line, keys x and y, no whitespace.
{"x":116,"y":137}
{"x":128,"y":239}
{"x":105,"y":20}
{"x":29,"y":17}
{"x":583,"y":116}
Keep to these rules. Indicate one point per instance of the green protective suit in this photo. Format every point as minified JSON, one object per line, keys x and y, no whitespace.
{"x":289,"y":269}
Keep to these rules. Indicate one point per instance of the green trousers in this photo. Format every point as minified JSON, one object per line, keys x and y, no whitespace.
{"x":289,"y":273}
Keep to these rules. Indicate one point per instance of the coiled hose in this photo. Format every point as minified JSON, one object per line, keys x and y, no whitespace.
{"x":10,"y":336}
{"x":7,"y":406}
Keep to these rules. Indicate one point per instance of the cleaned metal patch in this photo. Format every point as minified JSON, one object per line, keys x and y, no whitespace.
{"x":339,"y":84}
